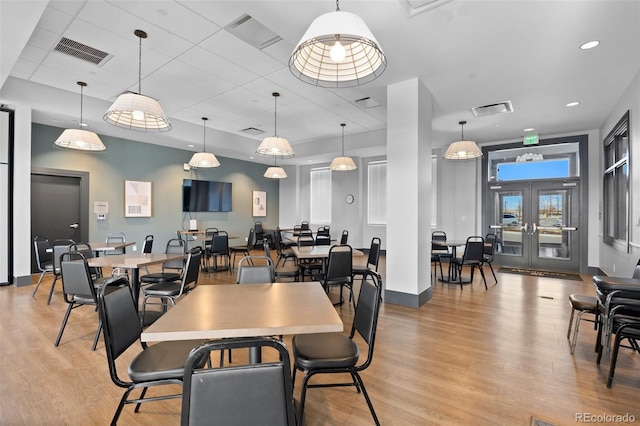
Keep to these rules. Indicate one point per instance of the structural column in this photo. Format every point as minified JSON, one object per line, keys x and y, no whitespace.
{"x":409,"y":117}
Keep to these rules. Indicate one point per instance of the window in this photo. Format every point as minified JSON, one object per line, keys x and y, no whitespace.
{"x":321,"y":196}
{"x":434,"y":191}
{"x":616,"y":185}
{"x":377,"y":193}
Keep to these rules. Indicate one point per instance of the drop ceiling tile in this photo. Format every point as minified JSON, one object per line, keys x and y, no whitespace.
{"x":173,"y":17}
{"x":241,"y":53}
{"x":216,"y":65}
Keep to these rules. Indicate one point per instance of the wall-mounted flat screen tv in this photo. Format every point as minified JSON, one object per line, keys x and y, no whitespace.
{"x":206,"y":196}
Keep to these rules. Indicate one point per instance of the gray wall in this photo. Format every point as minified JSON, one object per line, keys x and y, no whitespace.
{"x":129,"y":160}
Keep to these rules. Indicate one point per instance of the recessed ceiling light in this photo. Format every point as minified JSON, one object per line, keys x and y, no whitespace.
{"x":529,"y":129}
{"x":83,"y":125}
{"x":310,"y":161}
{"x":252,"y":157}
{"x":574,"y":103}
{"x":191,"y":145}
{"x":589,"y":45}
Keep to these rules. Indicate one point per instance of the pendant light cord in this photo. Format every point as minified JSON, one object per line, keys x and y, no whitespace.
{"x":337,"y":5}
{"x":204,"y":134}
{"x":81,"y":91}
{"x":343,"y":125}
{"x":140,"y":66}
{"x":275,"y":115}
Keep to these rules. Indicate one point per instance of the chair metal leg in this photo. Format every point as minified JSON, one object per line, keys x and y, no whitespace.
{"x":493,"y":273}
{"x":366,"y":397}
{"x":570,"y":322}
{"x":95,"y":339}
{"x":38,"y":284}
{"x":614,"y":358}
{"x":53,"y":284}
{"x":64,"y":323}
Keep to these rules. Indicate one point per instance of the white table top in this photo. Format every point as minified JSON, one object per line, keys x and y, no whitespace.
{"x":247,"y":310}
{"x":314,"y":252}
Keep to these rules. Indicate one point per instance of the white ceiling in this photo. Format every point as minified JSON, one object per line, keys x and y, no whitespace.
{"x":468,"y":53}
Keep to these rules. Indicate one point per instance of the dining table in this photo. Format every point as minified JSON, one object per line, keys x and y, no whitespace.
{"x":133,"y":262}
{"x":104,"y":247}
{"x":247,"y":310}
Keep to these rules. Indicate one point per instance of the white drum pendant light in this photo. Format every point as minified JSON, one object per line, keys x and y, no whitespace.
{"x":135,"y":111}
{"x":79,"y":139}
{"x":204,"y":159}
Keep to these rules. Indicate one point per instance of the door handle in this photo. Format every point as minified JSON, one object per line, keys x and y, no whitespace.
{"x":535,"y":228}
{"x":74,"y":226}
{"x":525,"y":227}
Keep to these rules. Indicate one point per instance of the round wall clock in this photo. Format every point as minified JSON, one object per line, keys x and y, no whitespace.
{"x":349,"y":198}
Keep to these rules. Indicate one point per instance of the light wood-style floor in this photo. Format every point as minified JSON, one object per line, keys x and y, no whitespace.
{"x":467,"y":357}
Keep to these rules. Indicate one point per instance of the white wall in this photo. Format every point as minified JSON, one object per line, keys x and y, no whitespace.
{"x":613,"y":261}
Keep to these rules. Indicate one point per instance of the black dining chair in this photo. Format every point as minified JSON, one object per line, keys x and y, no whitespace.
{"x":155,"y":365}
{"x":472,"y":257}
{"x":336,"y":353}
{"x":254,"y":394}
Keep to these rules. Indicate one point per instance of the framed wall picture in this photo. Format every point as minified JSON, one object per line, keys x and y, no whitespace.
{"x":259,"y":203}
{"x":137,"y":198}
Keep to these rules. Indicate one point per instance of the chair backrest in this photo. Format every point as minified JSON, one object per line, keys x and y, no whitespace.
{"x":121,"y":325}
{"x":365,"y":320}
{"x":251,"y":237}
{"x":324,"y":230}
{"x":439,"y":236}
{"x":175,"y":246}
{"x":296,"y":230}
{"x":60,"y":247}
{"x":147,"y":245}
{"x":258,"y":228}
{"x":323,"y":240}
{"x":220,"y":244}
{"x":374,"y":253}
{"x":255,"y":270}
{"x":191,"y":270}
{"x":340,"y":262}
{"x":344,"y":239}
{"x":209,"y":233}
{"x":40,"y":247}
{"x":76,"y":277}
{"x":304,"y":225}
{"x":116,"y":237}
{"x":489,"y":246}
{"x":306,"y":240}
{"x":474,"y":249}
{"x":238,"y":394}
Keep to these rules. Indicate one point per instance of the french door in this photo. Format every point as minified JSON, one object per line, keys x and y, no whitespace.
{"x":536,"y":223}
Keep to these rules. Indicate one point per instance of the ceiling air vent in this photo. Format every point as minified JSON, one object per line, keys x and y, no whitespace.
{"x":252,"y":131}
{"x":253,"y":32}
{"x":493,"y":109}
{"x":82,"y":51}
{"x":366,"y":103}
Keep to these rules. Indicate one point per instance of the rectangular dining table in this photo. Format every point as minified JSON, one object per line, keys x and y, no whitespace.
{"x":247,"y":310}
{"x":104,"y":247}
{"x":133,"y":262}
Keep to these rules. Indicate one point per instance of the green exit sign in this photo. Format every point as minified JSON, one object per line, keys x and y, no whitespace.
{"x":531,"y":139}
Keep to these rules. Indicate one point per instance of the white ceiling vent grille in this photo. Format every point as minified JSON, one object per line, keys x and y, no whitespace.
{"x":366,"y":103}
{"x":252,"y":131}
{"x":253,"y":32}
{"x":82,"y":51}
{"x":415,"y":7}
{"x":493,"y":109}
